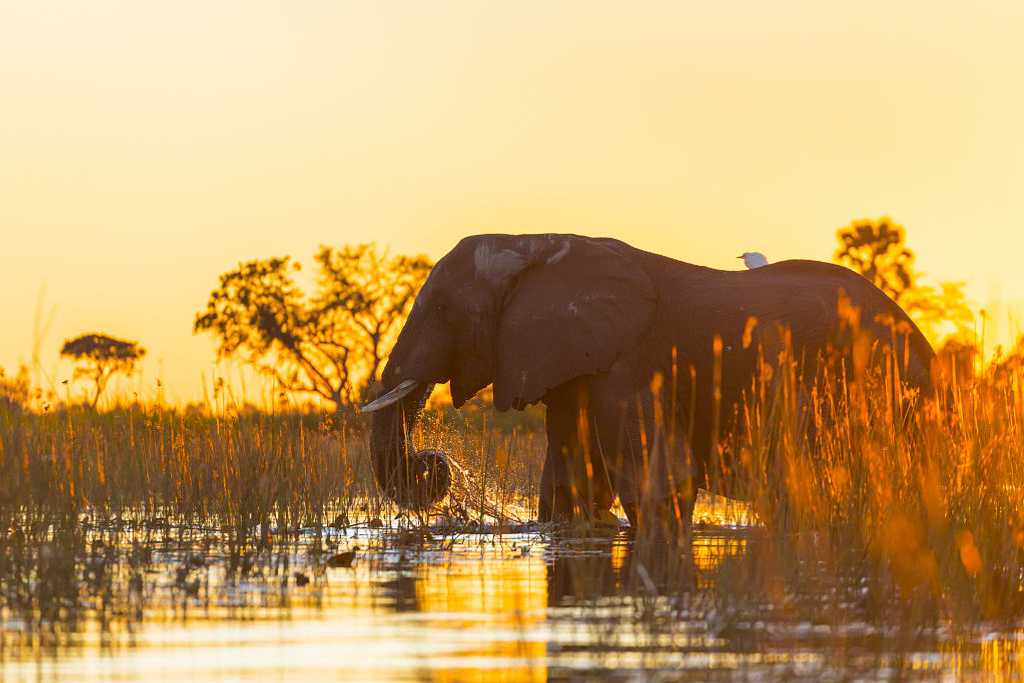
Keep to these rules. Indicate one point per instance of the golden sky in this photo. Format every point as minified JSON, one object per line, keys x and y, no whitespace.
{"x":146,"y":147}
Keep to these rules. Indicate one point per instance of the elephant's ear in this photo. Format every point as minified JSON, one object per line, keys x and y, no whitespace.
{"x":569,"y":316}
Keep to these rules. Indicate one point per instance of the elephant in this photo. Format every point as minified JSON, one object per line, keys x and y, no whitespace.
{"x":585,"y":325}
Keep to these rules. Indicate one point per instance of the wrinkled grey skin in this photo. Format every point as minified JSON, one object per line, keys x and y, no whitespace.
{"x":583,"y":325}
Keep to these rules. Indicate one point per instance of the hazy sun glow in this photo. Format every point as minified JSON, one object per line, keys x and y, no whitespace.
{"x":147,"y":147}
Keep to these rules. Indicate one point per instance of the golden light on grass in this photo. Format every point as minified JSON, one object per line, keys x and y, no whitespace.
{"x":915,"y":498}
{"x":969,"y":555}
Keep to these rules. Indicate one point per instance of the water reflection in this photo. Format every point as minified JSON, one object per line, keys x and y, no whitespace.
{"x":515,"y":608}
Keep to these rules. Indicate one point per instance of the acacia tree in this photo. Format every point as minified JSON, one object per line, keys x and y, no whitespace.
{"x":329,"y":344}
{"x":877,"y":250}
{"x":99,"y":357}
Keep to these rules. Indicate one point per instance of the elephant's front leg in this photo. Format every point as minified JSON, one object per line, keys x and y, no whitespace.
{"x":651,"y":463}
{"x":574,"y":480}
{"x":555,"y":498}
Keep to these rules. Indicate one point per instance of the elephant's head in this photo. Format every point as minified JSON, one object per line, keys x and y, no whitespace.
{"x":526,"y":313}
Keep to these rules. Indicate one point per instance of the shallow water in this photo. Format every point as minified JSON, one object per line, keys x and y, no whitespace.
{"x":519,"y":607}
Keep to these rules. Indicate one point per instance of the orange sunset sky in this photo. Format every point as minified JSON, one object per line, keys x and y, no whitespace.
{"x":146,"y":147}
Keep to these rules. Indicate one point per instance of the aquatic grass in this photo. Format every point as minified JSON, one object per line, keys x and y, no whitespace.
{"x":146,"y":464}
{"x":246,"y":472}
{"x":868,"y":506}
{"x":885,"y":519}
{"x":903,"y":507}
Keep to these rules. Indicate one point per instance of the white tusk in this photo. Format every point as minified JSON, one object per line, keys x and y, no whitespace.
{"x":393,"y":396}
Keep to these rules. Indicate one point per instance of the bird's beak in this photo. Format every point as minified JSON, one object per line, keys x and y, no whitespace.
{"x":739,"y":257}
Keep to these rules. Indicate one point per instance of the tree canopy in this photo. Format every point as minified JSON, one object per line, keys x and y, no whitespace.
{"x":331,"y":343}
{"x":877,"y":250}
{"x":98,"y":357}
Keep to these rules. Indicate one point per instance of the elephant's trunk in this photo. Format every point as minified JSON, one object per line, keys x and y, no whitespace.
{"x":415,"y":482}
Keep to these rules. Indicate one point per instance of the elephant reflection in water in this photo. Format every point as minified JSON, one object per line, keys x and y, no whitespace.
{"x":618,"y":568}
{"x":621,"y":345}
{"x":401,"y":592}
{"x":573,"y":577}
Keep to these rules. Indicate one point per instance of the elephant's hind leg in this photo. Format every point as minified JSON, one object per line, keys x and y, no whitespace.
{"x":655,"y":475}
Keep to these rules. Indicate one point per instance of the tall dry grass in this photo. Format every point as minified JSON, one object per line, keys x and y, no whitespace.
{"x":898,"y":505}
{"x":886,"y":524}
{"x":241,"y":472}
{"x":854,"y":484}
{"x":92,"y":503}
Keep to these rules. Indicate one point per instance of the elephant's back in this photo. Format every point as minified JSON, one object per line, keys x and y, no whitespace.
{"x":877,"y":310}
{"x":807,"y":268}
{"x":801,"y":279}
{"x":832,"y":279}
{"x":803,"y":296}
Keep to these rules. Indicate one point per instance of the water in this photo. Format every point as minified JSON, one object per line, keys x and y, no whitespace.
{"x":520,"y":607}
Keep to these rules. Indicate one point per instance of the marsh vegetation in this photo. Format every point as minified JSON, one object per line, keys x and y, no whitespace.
{"x":884,"y":539}
{"x":867,"y":532}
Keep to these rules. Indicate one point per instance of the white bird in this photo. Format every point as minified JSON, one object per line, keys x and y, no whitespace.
{"x":753,"y":259}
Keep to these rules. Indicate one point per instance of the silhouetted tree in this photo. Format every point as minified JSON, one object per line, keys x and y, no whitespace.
{"x":330,"y":344}
{"x":877,"y":250}
{"x":99,"y":357}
